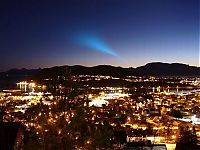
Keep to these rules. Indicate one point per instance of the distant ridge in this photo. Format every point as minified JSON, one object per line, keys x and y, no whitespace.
{"x":154,"y":68}
{"x":168,"y":69}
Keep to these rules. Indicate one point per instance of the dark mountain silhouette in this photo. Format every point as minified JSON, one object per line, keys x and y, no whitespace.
{"x":166,"y":69}
{"x":156,"y":68}
{"x":107,"y":70}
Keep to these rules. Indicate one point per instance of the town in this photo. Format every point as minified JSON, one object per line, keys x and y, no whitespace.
{"x":69,"y":111}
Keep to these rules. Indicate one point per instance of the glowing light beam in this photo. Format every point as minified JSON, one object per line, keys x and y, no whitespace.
{"x":95,"y":43}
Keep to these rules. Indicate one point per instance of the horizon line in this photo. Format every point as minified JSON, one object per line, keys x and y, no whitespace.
{"x":170,"y":63}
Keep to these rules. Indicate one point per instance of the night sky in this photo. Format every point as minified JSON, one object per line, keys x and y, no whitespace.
{"x":127,"y":33}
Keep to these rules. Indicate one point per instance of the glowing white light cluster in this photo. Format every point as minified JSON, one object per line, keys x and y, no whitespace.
{"x":104,"y":98}
{"x":98,"y":103}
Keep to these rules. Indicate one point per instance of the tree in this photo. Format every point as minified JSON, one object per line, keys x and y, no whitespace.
{"x":188,"y":140}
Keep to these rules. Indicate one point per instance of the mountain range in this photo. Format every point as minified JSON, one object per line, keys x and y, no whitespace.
{"x":155,"y":68}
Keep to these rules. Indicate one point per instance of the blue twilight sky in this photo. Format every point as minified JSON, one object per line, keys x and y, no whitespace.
{"x":128,"y":33}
